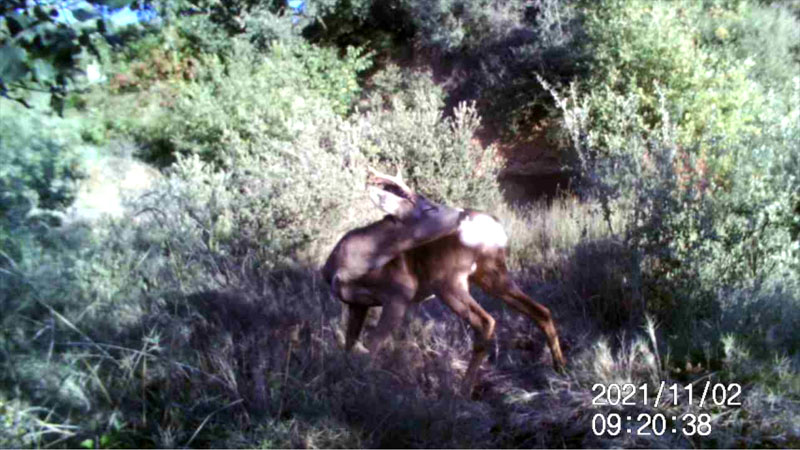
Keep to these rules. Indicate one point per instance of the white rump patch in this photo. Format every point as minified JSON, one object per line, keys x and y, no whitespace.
{"x":482,"y":231}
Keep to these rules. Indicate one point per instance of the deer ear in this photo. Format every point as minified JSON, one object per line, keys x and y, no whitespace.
{"x":388,"y":202}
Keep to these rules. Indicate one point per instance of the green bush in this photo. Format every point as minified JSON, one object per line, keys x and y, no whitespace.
{"x":702,"y":59}
{"x":460,"y":25}
{"x":448,"y":26}
{"x":39,"y":168}
{"x":488,"y":50}
{"x":201,"y":34}
{"x":255,"y":102}
{"x":689,"y":80}
{"x":693,"y":247}
{"x":288,"y":167}
{"x":437,"y":154}
{"x":643,"y":48}
{"x":546,"y":40}
{"x":767,"y":35}
{"x":757,"y":217}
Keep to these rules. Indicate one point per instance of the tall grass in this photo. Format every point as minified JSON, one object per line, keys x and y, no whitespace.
{"x":164,"y":353}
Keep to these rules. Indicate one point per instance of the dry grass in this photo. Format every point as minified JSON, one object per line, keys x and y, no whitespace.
{"x":155,"y":351}
{"x":543,"y":236}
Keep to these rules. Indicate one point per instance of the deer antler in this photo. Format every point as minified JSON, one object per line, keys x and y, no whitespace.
{"x":384,"y":181}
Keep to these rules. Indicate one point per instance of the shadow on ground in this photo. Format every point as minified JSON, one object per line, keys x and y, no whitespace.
{"x":276,"y":358}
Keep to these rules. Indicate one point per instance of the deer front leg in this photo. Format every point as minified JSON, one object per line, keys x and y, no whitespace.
{"x":480,"y":351}
{"x":355,"y":322}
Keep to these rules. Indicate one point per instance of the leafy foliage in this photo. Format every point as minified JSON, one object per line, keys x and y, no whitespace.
{"x":298,"y":88}
{"x":38,"y":176}
{"x":686,"y":237}
{"x":440,"y":155}
{"x":488,"y":51}
{"x":41,"y":46}
{"x":712,"y":88}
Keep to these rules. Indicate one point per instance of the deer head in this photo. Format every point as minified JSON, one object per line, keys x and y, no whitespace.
{"x":393,"y":196}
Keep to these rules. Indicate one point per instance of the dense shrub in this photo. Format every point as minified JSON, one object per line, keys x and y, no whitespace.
{"x":487,"y":51}
{"x":381,"y":24}
{"x":757,"y":216}
{"x":438,"y":154}
{"x":768,"y":35}
{"x":715,"y":87}
{"x":456,"y":25}
{"x":692,"y":246}
{"x":174,"y":48}
{"x":38,"y":173}
{"x":448,"y":26}
{"x":288,"y":167}
{"x":254,"y":102}
{"x":260,"y":25}
{"x":682,"y":136}
{"x":501,"y":70}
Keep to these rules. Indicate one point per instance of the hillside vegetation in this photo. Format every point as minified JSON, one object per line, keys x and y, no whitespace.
{"x":160,"y":239}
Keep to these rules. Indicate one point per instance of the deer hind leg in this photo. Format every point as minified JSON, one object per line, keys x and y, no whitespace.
{"x":498,"y":284}
{"x":391,"y":316}
{"x":458,"y":298}
{"x":543,"y":318}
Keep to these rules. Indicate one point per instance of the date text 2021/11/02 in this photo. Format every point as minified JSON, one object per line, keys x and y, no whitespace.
{"x":708,"y":394}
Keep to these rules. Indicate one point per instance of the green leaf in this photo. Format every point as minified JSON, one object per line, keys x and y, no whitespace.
{"x":84,"y":13}
{"x":43,"y":70}
{"x":41,"y":13}
{"x":115,"y":4}
{"x":12,"y":63}
{"x":16,"y":23}
{"x":49,"y":33}
{"x":87,"y":443}
{"x":27,"y":36}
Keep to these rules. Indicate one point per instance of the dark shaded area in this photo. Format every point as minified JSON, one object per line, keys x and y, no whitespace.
{"x":496,"y":73}
{"x":385,"y":26}
{"x":524,"y":190}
